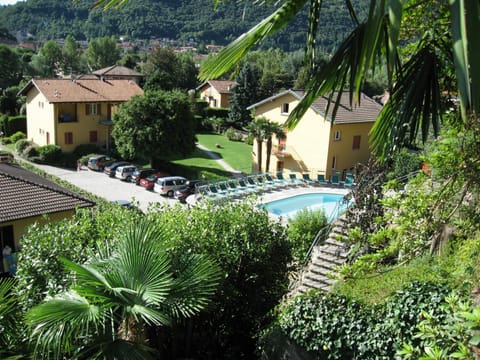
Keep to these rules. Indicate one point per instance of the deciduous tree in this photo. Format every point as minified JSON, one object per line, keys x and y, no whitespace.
{"x":102,"y":52}
{"x":155,"y":126}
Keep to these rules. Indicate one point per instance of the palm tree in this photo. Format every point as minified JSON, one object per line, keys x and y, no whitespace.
{"x":118,"y":295}
{"x":276,"y":129}
{"x":256,"y":128}
{"x":11,"y":346}
{"x":415,"y":86}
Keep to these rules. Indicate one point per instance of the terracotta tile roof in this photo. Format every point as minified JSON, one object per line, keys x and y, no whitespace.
{"x":117,"y":70}
{"x":222,"y":86}
{"x":84,"y":89}
{"x":367,"y":110}
{"x":24,"y":194}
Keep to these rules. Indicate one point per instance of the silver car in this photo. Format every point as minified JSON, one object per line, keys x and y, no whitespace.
{"x":125,"y":172}
{"x":169,"y":184}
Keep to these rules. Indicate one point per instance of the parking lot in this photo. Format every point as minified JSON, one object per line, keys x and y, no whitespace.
{"x":111,"y":189}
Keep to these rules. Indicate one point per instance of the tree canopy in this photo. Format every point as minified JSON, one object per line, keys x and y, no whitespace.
{"x":155,"y":126}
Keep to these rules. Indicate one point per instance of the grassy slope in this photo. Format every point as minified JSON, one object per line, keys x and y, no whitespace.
{"x":237,"y":154}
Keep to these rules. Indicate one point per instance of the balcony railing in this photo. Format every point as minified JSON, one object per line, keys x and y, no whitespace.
{"x":281,"y":152}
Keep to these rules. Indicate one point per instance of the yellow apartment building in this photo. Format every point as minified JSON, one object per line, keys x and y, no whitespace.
{"x":317,"y":145}
{"x":216,"y":93}
{"x":27,"y":198}
{"x":70,"y":112}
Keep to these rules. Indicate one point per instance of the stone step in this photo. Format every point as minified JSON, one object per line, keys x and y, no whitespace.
{"x":320,"y":266}
{"x":330,"y":252}
{"x":334,"y":242}
{"x":313,"y":285}
{"x":318,"y":278}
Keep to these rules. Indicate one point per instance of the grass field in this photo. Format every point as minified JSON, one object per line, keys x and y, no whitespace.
{"x":235,"y":153}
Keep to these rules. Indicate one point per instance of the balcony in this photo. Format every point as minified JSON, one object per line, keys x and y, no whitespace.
{"x":281,"y":152}
{"x":66,"y":118}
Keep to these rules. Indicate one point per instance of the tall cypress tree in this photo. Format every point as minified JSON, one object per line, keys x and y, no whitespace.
{"x":244,"y":94}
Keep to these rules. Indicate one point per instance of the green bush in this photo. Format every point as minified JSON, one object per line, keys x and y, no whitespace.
{"x":233,"y":135}
{"x":30,"y":152}
{"x":405,"y":162}
{"x":21,"y":145}
{"x":249,"y":139}
{"x":17,"y":136}
{"x":333,"y":326}
{"x":86,"y":149}
{"x":12,"y":124}
{"x":303,"y":228}
{"x":254,"y":254}
{"x":51,"y":154}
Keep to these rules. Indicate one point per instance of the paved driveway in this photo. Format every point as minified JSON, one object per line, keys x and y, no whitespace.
{"x":106,"y":187}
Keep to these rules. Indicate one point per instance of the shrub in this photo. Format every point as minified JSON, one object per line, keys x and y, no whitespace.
{"x":405,"y":162}
{"x":303,"y":228}
{"x":30,"y":151}
{"x":12,"y":124}
{"x":86,"y":149}
{"x":233,"y":135}
{"x":50,"y":153}
{"x":21,"y":145}
{"x":254,"y":254}
{"x":249,"y":139}
{"x":333,"y":326}
{"x":17,"y":136}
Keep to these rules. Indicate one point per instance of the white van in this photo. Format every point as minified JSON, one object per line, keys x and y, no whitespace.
{"x":169,"y":184}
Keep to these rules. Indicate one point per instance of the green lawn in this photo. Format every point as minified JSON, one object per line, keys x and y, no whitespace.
{"x":199,"y":165}
{"x":235,"y":153}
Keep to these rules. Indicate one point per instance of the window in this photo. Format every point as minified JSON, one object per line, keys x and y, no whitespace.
{"x":334,"y":162}
{"x":93,"y":109}
{"x":285,"y":108}
{"x":356,"y":142}
{"x":6,"y":237}
{"x":7,"y":244}
{"x":93,"y":136}
{"x":337,"y":135}
{"x":68,"y":138}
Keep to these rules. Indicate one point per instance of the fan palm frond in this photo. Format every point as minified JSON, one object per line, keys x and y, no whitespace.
{"x":414,"y":105}
{"x":57,"y":322}
{"x":196,"y":281}
{"x":230,"y":55}
{"x":465,"y":27}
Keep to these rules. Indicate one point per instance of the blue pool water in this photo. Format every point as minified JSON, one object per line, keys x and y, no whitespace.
{"x":331,"y":204}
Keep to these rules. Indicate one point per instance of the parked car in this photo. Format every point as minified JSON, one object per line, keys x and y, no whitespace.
{"x":142,"y":173}
{"x":98,"y":162}
{"x":125,"y":172}
{"x":186,"y":191}
{"x":149,"y":182}
{"x":169,"y":184}
{"x":110,"y":169}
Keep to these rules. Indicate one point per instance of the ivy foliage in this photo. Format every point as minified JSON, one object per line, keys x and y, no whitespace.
{"x":333,"y":326}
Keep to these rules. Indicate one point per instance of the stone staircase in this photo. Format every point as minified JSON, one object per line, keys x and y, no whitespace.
{"x":325,"y":258}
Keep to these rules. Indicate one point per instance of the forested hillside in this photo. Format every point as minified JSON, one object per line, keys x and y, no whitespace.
{"x":188,"y":21}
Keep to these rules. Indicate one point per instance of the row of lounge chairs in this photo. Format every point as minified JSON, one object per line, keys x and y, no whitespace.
{"x":255,"y":184}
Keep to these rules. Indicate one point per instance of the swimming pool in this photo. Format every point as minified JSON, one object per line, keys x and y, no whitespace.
{"x":331,"y":204}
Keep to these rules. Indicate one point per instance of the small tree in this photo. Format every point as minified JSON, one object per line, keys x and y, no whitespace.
{"x":102,"y":52}
{"x":155,"y":126}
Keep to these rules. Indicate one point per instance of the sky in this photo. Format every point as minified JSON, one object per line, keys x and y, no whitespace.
{"x":8,"y":2}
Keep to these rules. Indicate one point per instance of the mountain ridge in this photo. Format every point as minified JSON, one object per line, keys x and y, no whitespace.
{"x":187,"y":21}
